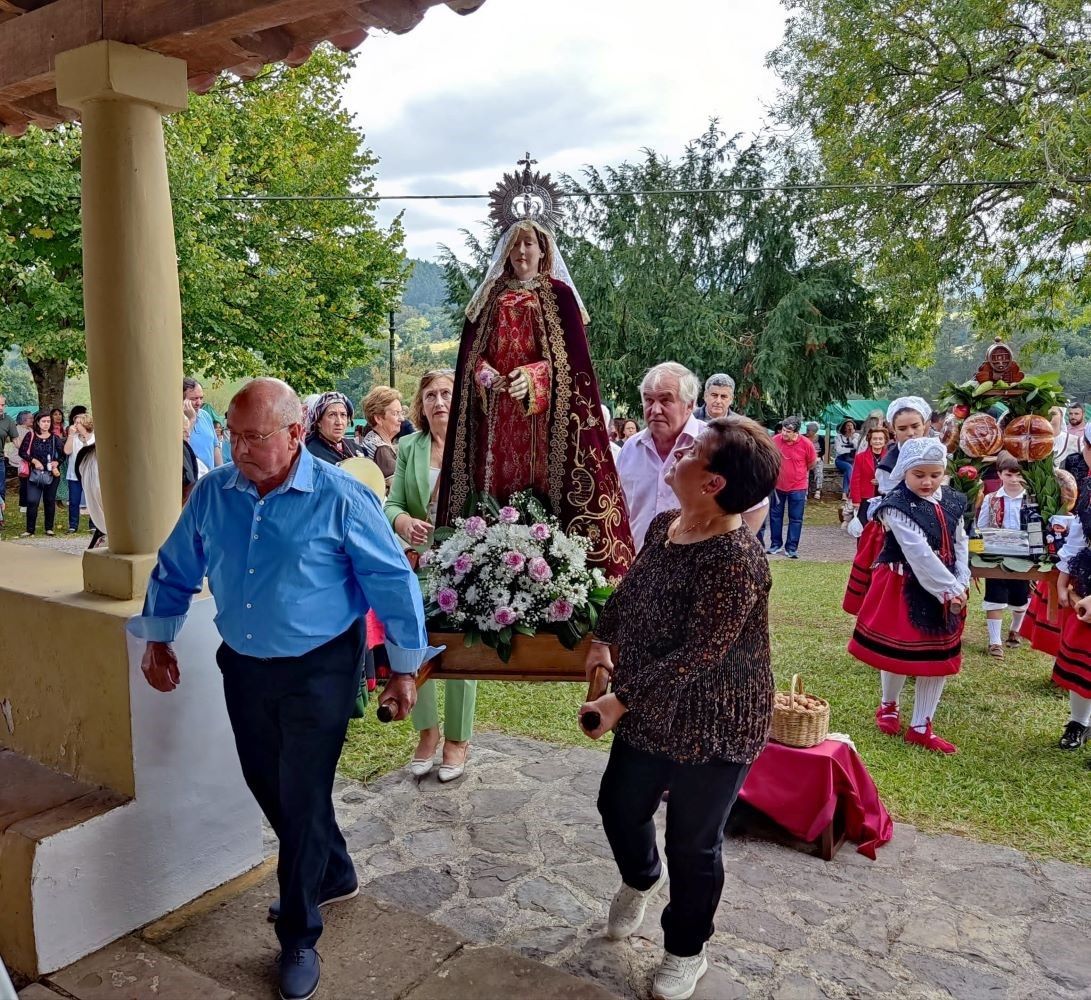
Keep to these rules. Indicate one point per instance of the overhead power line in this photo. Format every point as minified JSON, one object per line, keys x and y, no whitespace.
{"x":1012,"y":182}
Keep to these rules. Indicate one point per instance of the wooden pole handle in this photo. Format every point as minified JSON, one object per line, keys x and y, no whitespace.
{"x":596,"y":688}
{"x":384,"y":713}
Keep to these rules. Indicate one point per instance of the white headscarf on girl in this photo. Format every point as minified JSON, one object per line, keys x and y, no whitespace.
{"x":559,"y":270}
{"x":909,"y":403}
{"x":917,"y":452}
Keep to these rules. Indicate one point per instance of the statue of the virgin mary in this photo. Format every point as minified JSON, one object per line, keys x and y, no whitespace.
{"x":526,"y":412}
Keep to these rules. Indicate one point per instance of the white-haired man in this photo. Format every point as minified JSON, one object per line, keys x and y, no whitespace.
{"x":668,"y":393}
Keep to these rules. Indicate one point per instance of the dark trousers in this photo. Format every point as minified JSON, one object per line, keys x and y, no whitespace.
{"x":289,"y":716}
{"x":792,"y":501}
{"x":45,"y":495}
{"x":701,"y":799}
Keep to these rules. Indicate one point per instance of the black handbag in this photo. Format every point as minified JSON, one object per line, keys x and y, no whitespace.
{"x":40,"y":477}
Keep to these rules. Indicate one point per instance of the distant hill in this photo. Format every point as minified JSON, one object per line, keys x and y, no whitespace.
{"x":426,"y":289}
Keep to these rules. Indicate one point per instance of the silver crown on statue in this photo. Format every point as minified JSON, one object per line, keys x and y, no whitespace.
{"x":525,"y":197}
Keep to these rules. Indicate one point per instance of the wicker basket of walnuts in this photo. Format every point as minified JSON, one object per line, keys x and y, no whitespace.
{"x":799,"y":719}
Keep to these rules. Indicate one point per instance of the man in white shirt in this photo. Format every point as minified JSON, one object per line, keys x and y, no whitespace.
{"x":1070,"y":440}
{"x":669,"y":394}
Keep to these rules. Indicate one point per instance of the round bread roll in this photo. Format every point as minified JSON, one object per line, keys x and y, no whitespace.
{"x":980,"y":436}
{"x":1029,"y":438}
{"x":1066,"y":483}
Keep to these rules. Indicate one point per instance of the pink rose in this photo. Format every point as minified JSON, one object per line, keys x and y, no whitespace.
{"x":560,"y":610}
{"x":485,"y":378}
{"x":504,"y":617}
{"x":538,"y":570}
{"x":463,"y":564}
{"x":474,"y":526}
{"x":539,"y":532}
{"x":509,"y":515}
{"x":514,"y":560}
{"x":425,"y":558}
{"x":447,"y":599}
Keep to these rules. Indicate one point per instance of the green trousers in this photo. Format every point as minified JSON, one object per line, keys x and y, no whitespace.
{"x":459,"y":698}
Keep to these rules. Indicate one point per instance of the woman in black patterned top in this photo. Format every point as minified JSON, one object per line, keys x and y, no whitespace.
{"x":692,"y":692}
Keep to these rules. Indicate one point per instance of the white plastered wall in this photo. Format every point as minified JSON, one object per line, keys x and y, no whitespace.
{"x":192,"y":826}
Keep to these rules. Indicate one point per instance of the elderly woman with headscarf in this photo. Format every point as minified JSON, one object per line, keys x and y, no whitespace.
{"x":330,"y":418}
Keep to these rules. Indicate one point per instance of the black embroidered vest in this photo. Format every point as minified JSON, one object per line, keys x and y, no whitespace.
{"x":925,"y":612}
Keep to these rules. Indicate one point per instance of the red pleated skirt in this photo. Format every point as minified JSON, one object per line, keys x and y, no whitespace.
{"x":868,"y":547}
{"x":1072,"y":671}
{"x":886,"y":639}
{"x":1042,"y":634}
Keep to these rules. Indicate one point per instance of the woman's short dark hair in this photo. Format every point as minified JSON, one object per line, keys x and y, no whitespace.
{"x":38,"y":416}
{"x":740,"y":450}
{"x":75,"y":412}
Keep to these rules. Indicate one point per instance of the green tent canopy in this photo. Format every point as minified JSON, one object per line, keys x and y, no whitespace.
{"x":853,"y":409}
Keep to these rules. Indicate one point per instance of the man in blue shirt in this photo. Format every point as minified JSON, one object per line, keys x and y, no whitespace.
{"x":202,"y":435}
{"x":295,"y":552}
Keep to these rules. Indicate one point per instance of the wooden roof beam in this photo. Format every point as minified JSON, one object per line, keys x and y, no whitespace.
{"x":28,"y":42}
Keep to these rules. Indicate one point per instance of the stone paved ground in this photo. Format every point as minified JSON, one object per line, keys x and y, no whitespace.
{"x":513,"y":855}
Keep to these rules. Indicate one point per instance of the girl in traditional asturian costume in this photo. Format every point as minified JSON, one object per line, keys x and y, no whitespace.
{"x":1001,"y":510}
{"x":912,"y":617}
{"x":908,"y":418}
{"x":1072,"y":670}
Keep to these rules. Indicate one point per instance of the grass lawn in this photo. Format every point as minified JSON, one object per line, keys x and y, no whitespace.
{"x":15,"y":523}
{"x":1008,"y":784}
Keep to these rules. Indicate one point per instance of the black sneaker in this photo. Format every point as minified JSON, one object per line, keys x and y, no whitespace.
{"x":1074,"y":737}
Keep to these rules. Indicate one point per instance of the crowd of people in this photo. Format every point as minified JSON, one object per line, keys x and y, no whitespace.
{"x":41,"y":451}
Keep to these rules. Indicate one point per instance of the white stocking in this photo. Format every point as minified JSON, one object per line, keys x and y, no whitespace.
{"x":1080,"y":708}
{"x":1017,"y":617}
{"x":926,"y":700}
{"x":892,"y":686}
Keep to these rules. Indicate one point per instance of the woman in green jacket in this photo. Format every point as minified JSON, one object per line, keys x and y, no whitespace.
{"x":411,"y":509}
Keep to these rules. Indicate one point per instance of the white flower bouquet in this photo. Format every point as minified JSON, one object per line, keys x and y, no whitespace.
{"x":510,"y":571}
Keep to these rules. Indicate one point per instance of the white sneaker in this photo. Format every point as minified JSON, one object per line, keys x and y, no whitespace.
{"x":677,"y":977}
{"x":628,"y":906}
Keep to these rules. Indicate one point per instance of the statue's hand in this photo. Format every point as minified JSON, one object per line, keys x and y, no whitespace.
{"x":519,"y":385}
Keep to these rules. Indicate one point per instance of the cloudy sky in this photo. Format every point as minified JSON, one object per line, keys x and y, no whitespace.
{"x":451,"y":106}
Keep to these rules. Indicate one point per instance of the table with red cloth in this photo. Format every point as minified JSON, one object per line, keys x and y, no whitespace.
{"x":810,"y":792}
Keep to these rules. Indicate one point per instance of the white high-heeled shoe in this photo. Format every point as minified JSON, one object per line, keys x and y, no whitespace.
{"x":419,"y":768}
{"x":449,"y":772}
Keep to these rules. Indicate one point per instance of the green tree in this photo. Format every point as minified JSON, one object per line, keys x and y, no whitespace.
{"x":950,"y":91}
{"x":282,"y":288}
{"x":719,"y":282}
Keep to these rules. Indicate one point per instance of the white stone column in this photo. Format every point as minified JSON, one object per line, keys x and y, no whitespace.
{"x":131,"y":300}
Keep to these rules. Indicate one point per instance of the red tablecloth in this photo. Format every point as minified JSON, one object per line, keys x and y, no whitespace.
{"x":801,"y":789}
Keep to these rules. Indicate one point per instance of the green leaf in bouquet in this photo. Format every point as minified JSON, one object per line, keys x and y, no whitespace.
{"x":490,"y":506}
{"x":592,"y":617}
{"x":602,"y":594}
{"x":524,"y":629}
{"x":442,"y":534}
{"x":504,"y":637}
{"x":471,"y":638}
{"x":503,"y":650}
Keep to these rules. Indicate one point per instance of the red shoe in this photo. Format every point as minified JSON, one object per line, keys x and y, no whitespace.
{"x":929,"y":740}
{"x":887,"y":718}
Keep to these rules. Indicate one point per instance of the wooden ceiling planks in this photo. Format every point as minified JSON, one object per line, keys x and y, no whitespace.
{"x":212,"y":36}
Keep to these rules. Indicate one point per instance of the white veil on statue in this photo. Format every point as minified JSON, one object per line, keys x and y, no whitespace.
{"x":559,"y":270}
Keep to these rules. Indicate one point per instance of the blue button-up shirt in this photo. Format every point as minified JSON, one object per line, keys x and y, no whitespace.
{"x":202,"y":438}
{"x":289,"y":571}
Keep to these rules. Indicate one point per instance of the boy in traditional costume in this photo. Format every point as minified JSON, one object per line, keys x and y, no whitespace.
{"x":1001,"y":509}
{"x":912,"y":618}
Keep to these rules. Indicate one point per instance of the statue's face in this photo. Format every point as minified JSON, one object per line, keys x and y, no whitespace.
{"x":526,"y":255}
{"x":1000,"y":360}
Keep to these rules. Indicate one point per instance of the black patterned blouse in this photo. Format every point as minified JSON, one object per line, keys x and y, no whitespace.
{"x":691,"y":623}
